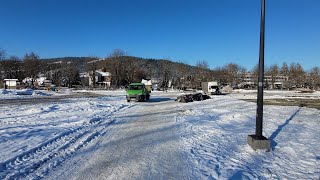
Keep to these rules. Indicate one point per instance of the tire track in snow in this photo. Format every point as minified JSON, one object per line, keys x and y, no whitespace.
{"x":38,"y":161}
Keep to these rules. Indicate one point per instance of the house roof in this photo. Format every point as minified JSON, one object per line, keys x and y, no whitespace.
{"x":11,"y":79}
{"x":103,"y":73}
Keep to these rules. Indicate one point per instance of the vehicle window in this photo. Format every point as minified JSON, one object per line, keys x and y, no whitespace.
{"x":135,"y":87}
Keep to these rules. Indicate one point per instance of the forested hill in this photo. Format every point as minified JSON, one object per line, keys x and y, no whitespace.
{"x":67,"y":59}
{"x":125,"y":69}
{"x":124,"y":60}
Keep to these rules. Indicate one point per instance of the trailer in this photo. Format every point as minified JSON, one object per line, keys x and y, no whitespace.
{"x":210,"y":88}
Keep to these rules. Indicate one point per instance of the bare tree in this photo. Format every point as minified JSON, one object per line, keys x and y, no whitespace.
{"x":54,"y":72}
{"x":139,"y":74}
{"x":221,"y":75}
{"x":2,"y":54}
{"x":117,"y":67}
{"x":31,"y":65}
{"x":2,"y":57}
{"x":273,"y":71}
{"x":202,"y":64}
{"x":235,"y":73}
{"x":182,"y":72}
{"x":296,"y":75}
{"x":117,"y":53}
{"x":301,"y":75}
{"x":70,"y":74}
{"x":314,"y":77}
{"x":165,"y":74}
{"x":284,"y":71}
{"x":56,"y":76}
{"x":255,"y":74}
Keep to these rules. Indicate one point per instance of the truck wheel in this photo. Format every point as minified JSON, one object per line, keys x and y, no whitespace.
{"x":142,"y":98}
{"x":128,"y":100}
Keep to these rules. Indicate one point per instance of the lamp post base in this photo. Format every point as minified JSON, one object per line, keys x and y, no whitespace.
{"x":259,"y":142}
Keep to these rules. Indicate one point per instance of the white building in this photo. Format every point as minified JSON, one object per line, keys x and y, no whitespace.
{"x":10,"y":83}
{"x":101,"y":78}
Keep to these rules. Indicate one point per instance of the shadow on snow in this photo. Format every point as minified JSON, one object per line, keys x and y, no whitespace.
{"x":275,"y":134}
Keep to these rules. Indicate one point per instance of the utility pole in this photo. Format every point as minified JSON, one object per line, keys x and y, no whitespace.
{"x":258,"y":141}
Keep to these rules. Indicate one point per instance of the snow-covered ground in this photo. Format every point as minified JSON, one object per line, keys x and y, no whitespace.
{"x":252,"y":94}
{"x":107,"y":138}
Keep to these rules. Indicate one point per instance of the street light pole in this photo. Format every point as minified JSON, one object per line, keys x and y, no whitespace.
{"x":259,"y":116}
{"x":258,"y":141}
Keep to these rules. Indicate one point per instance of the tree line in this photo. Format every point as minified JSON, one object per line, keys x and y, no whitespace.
{"x":126,"y":69}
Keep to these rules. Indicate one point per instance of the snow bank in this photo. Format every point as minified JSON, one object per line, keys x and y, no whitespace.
{"x":104,"y":92}
{"x":3,"y":91}
{"x":23,"y":93}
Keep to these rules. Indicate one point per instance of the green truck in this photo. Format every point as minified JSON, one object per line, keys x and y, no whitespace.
{"x":137,"y":91}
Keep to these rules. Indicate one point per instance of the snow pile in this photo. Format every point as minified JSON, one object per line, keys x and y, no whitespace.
{"x":41,"y":93}
{"x":68,"y":91}
{"x":3,"y":91}
{"x":120,"y":92}
{"x":25,"y":92}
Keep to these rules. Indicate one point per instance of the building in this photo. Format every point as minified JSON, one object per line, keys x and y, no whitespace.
{"x":100,"y":78}
{"x":10,"y":83}
{"x":276,"y":82}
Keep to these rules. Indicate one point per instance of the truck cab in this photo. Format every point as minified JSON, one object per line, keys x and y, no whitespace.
{"x":138,"y":92}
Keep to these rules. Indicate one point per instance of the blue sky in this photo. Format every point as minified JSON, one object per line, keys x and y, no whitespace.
{"x":218,"y":31}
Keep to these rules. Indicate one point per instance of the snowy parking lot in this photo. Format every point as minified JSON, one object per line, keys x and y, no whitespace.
{"x":78,"y":135}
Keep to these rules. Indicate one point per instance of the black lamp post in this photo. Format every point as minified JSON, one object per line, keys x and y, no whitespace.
{"x":258,"y":141}
{"x":259,"y":118}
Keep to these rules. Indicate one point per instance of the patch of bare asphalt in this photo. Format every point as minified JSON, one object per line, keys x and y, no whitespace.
{"x":47,"y":99}
{"x":302,"y":102}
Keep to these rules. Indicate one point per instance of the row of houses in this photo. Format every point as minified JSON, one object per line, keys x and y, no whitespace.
{"x":102,"y":79}
{"x":14,"y":83}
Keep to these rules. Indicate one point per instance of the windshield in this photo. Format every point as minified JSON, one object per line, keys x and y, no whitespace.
{"x":135,"y":87}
